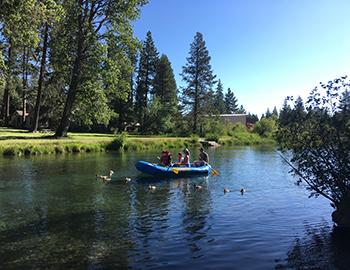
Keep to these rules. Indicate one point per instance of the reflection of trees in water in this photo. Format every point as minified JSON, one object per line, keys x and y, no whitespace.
{"x":70,"y":234}
{"x":322,"y":247}
{"x":197,"y":208}
{"x":148,"y":220}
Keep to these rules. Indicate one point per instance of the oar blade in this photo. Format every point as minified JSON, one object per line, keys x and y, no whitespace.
{"x":175,"y":170}
{"x":214,"y":172}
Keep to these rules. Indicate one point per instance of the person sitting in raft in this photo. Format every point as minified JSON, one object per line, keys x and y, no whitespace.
{"x":179,"y":158}
{"x":186,"y":159}
{"x":165,"y":158}
{"x":203,"y":158}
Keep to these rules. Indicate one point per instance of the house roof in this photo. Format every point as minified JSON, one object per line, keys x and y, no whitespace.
{"x":233,"y":114}
{"x":228,"y":114}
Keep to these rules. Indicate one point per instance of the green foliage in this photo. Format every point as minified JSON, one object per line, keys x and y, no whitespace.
{"x":199,"y":79}
{"x":91,"y":105}
{"x":162,"y":111}
{"x":145,"y":78}
{"x":212,"y":125}
{"x":2,"y":72}
{"x":232,"y":129}
{"x":194,"y":138}
{"x":265,"y":127}
{"x":318,"y":138}
{"x":231,"y":105}
{"x":118,"y":142}
{"x":164,"y":82}
{"x":212,"y":137}
{"x":246,"y":138}
{"x":160,"y":118}
{"x":219,"y":102}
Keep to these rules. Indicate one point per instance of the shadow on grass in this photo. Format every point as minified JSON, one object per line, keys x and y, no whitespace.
{"x":10,"y":137}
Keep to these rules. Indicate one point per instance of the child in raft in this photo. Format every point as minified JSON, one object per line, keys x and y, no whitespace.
{"x":165,"y":158}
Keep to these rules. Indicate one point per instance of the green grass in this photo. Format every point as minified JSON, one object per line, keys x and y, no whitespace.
{"x":14,"y":142}
{"x":245,"y":138}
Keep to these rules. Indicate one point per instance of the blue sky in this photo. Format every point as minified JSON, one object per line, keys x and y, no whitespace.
{"x":264,"y":50}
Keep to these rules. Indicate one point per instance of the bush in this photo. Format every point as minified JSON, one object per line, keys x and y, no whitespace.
{"x":212,"y":137}
{"x":194,"y":138}
{"x":265,"y":127}
{"x":118,"y":142}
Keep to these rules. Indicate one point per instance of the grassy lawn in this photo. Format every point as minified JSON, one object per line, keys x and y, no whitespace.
{"x":16,"y":142}
{"x":22,"y":142}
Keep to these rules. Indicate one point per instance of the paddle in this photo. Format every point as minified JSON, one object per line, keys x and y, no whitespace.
{"x":175,"y":170}
{"x":213,"y":171}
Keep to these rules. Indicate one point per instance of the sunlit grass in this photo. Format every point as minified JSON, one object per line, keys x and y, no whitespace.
{"x":15,"y":142}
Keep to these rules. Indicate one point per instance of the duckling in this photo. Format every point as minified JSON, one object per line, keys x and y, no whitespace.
{"x":101,"y":177}
{"x":105,"y":178}
{"x":127,"y":180}
{"x":197,"y":186}
{"x":151,"y":187}
{"x":226,"y":190}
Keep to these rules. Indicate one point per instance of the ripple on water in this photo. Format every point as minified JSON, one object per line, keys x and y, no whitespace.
{"x":54,"y":212}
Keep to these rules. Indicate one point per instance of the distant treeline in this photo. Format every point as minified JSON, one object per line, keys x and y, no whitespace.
{"x":77,"y":65}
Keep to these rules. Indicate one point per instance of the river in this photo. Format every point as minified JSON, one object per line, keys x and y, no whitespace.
{"x":55,"y":214}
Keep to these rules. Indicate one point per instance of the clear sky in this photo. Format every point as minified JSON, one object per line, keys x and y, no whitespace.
{"x":264,"y":50}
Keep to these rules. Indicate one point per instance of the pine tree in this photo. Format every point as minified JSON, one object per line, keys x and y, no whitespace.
{"x":252,"y":118}
{"x":145,"y":78}
{"x":164,"y":107}
{"x":284,"y":114}
{"x":231,"y":105}
{"x":268,"y":114}
{"x":164,"y":82}
{"x":220,"y":99}
{"x":198,"y":75}
{"x":241,"y":110}
{"x":275,"y":113}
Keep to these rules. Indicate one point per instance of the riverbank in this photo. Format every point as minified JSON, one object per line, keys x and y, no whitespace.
{"x":14,"y":142}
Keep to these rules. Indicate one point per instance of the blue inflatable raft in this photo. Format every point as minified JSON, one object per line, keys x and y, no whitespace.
{"x":173,"y":171}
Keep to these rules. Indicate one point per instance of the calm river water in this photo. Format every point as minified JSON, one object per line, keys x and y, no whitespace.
{"x":55,"y":215}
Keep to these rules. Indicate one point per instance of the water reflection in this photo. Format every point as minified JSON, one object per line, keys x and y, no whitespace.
{"x":197,"y":205}
{"x":322,"y":246}
{"x":53,"y":213}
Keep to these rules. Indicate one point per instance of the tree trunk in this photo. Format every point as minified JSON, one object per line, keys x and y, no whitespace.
{"x":74,"y":84}
{"x":24,"y":83}
{"x":195,"y":107}
{"x":6,"y":99}
{"x":341,"y":216}
{"x":41,"y":80}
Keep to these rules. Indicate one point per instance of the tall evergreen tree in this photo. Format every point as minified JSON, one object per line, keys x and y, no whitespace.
{"x":220,"y":98}
{"x":164,"y":107}
{"x":145,"y":78}
{"x":231,"y":105}
{"x":268,"y":114}
{"x":275,"y":113}
{"x":198,"y":75}
{"x":284,"y":114}
{"x":241,"y":110}
{"x":120,"y":94}
{"x":164,"y":82}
